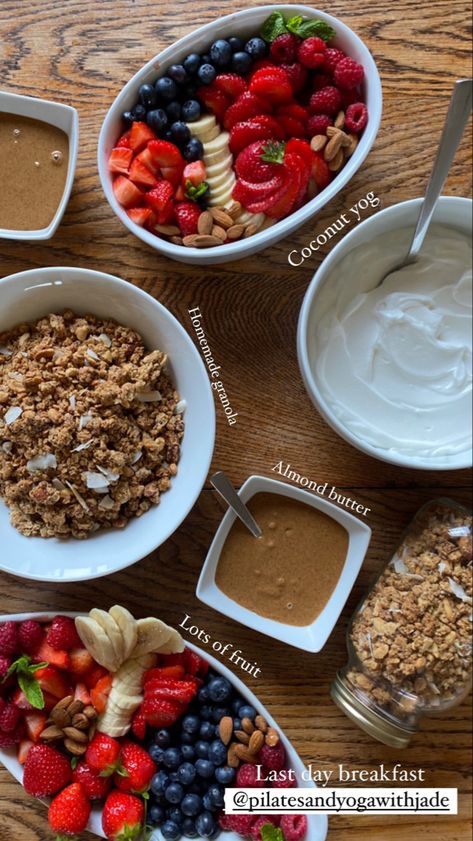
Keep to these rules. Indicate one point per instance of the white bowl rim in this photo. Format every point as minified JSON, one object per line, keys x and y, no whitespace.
{"x":47,"y":105}
{"x":311,"y":637}
{"x":294,"y":220}
{"x":303,"y":358}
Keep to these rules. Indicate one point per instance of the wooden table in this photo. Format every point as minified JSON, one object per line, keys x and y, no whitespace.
{"x":81,"y":52}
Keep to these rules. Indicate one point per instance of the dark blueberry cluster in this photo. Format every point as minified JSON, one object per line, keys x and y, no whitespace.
{"x":187,"y":792}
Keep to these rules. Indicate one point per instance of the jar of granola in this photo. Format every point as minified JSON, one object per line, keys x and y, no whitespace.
{"x":409,"y":642}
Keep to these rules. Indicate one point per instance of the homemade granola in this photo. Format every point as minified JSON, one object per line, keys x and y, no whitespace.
{"x":412,"y":634}
{"x":90,"y":425}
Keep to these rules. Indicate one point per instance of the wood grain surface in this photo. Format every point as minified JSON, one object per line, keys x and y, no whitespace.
{"x":81,"y":52}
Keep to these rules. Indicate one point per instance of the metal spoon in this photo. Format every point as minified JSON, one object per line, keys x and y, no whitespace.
{"x":455,"y":122}
{"x":224,"y":487}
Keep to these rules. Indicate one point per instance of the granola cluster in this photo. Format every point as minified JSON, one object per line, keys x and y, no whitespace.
{"x":90,"y":425}
{"x":412,"y":635}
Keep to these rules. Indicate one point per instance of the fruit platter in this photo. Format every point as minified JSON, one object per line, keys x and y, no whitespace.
{"x":121,"y":728}
{"x":243,"y":137}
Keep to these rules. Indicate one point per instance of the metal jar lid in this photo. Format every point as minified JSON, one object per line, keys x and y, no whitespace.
{"x":370,"y":720}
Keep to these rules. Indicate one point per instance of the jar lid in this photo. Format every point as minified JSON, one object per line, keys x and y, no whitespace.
{"x":370,"y":720}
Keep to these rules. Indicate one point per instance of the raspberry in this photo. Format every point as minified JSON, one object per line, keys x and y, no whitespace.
{"x":62,"y":634}
{"x":311,"y":52}
{"x":326,"y":101}
{"x":283,"y":782}
{"x":9,"y":718}
{"x":7,"y":740}
{"x":5,"y":664}
{"x":225,"y":822}
{"x":8,"y":638}
{"x":348,"y":73}
{"x":273,"y":758}
{"x":30,"y":636}
{"x":356,"y":117}
{"x":331,"y":58}
{"x":240,"y":823}
{"x":318,"y":124}
{"x":297,"y":75}
{"x":322,"y":80}
{"x":284,"y":48}
{"x":350,"y":97}
{"x":294,"y":827}
{"x":247,"y":777}
{"x":262,"y":820}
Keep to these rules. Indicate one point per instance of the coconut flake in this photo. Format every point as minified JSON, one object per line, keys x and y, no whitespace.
{"x":459,"y":592}
{"x":72,"y":402}
{"x":77,"y":495}
{"x":12,"y":414}
{"x":136,"y":456}
{"x":107,"y":502}
{"x":399,"y":565}
{"x":84,"y":420}
{"x":7,"y":447}
{"x":15,"y":375}
{"x":442,"y":566}
{"x":149,"y":396}
{"x":4,"y":351}
{"x":42,"y":462}
{"x":84,"y":446}
{"x":60,"y":486}
{"x":105,"y":339}
{"x":180,"y":407}
{"x":109,"y":474}
{"x":92,"y":354}
{"x":95,"y":481}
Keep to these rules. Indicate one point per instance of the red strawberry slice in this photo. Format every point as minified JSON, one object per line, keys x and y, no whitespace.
{"x":175,"y":672}
{"x":250,"y":165}
{"x":140,"y":174}
{"x":284,"y":205}
{"x":247,"y":106}
{"x":259,"y":128}
{"x":124,"y":140}
{"x":247,"y":192}
{"x":214,"y":100}
{"x":304,"y":172}
{"x":292,"y":127}
{"x":145,"y":157}
{"x":261,"y":203}
{"x":23,"y":749}
{"x":140,"y":135}
{"x":195,"y":665}
{"x":35,"y":723}
{"x":168,"y":689}
{"x":158,"y":197}
{"x":320,"y":171}
{"x":187,"y":215}
{"x":52,"y":681}
{"x":301,"y":148}
{"x":261,"y":63}
{"x":128,"y":195}
{"x":298,"y":112}
{"x":164,"y":153}
{"x":138,"y":725}
{"x":46,"y":653}
{"x":272,"y":84}
{"x":120,"y":160}
{"x":159,"y":713}
{"x":140,"y":215}
{"x":194,"y":172}
{"x":173,"y":174}
{"x":231,"y":85}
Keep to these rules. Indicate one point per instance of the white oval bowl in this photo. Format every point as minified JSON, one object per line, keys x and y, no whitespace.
{"x":317,"y":824}
{"x":453,"y":211}
{"x":246,"y":23}
{"x":29,"y":295}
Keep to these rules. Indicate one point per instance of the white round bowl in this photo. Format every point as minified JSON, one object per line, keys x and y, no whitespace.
{"x":453,"y":211}
{"x":244,"y":23}
{"x":29,"y":295}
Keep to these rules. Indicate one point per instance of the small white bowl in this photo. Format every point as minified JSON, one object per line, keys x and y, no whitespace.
{"x":63,"y":117}
{"x":309,"y":637}
{"x":317,"y":824}
{"x":32,"y":294}
{"x":245,"y":23}
{"x":452,"y":211}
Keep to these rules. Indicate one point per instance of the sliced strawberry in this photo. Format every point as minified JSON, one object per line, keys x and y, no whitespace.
{"x":250,"y":165}
{"x":35,"y":723}
{"x":173,"y":174}
{"x":214,"y":100}
{"x":298,"y":112}
{"x":305,"y":173}
{"x":140,"y":135}
{"x":301,"y":148}
{"x":140,"y":174}
{"x":295,"y":167}
{"x":81,"y":661}
{"x":167,"y":689}
{"x":52,"y":681}
{"x":138,"y":725}
{"x":261,"y":63}
{"x":175,"y":672}
{"x":159,"y":713}
{"x":95,"y":674}
{"x":320,"y":171}
{"x":100,"y":692}
{"x":45,"y":653}
{"x":159,"y":197}
{"x":165,"y":153}
{"x":262,"y":127}
{"x":124,"y":140}
{"x":21,"y":701}
{"x":247,"y":106}
{"x":195,"y":172}
{"x":166,"y":215}
{"x":187,"y":215}
{"x":81,"y":693}
{"x":292,"y":127}
{"x":120,"y":160}
{"x":180,"y":194}
{"x":272,"y":84}
{"x":195,"y":665}
{"x":126,"y":193}
{"x":231,"y":85}
{"x":145,"y":157}
{"x":140,"y":216}
{"x":247,"y":193}
{"x":174,"y":659}
{"x":23,"y":749}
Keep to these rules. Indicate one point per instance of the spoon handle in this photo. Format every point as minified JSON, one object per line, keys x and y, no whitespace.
{"x":456,"y":119}
{"x":224,"y":487}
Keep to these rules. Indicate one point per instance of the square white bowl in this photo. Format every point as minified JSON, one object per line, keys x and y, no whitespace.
{"x":64,"y":117}
{"x":308,"y":637}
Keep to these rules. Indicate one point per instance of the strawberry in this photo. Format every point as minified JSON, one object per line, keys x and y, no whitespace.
{"x":35,"y":723}
{"x":297,"y":75}
{"x":81,"y":693}
{"x":176,"y":672}
{"x":272,"y":84}
{"x":158,"y":713}
{"x":247,"y":105}
{"x":261,"y":63}
{"x":140,"y":216}
{"x":297,"y":112}
{"x":320,"y":171}
{"x":250,"y":165}
{"x":160,"y":199}
{"x":283,"y":206}
{"x":140,"y":174}
{"x":138,"y":725}
{"x":19,"y":698}
{"x":120,"y":160}
{"x":292,"y":127}
{"x":97,"y":672}
{"x":174,"y":659}
{"x":136,"y":769}
{"x":256,"y":197}
{"x":145,"y":157}
{"x":23,"y":750}
{"x":195,"y":665}
{"x":301,"y":148}
{"x":124,"y":140}
{"x":45,"y":653}
{"x":167,"y":689}
{"x":195,"y":172}
{"x":52,"y":681}
{"x":173,"y":174}
{"x":214,"y":99}
{"x":164,"y":153}
{"x":81,"y":662}
{"x":95,"y":787}
{"x":140,"y":135}
{"x":262,"y":127}
{"x":187,"y":215}
{"x":231,"y":85}
{"x":100,"y":692}
{"x":69,"y":812}
{"x":180,"y":194}
{"x":46,"y":771}
{"x":126,"y":193}
{"x":123,"y":817}
{"x":103,"y":755}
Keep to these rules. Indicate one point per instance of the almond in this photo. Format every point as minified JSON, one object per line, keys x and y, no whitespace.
{"x":232,"y":758}
{"x":235,"y":232}
{"x":234,"y":210}
{"x":167,"y":230}
{"x":256,"y":741}
{"x":80,"y":722}
{"x":339,"y":121}
{"x":333,"y":147}
{"x":74,"y":747}
{"x":76,"y":735}
{"x":201,"y":241}
{"x":245,"y":754}
{"x":261,"y":723}
{"x":332,"y":131}
{"x":337,"y":162}
{"x":272,"y":737}
{"x":242,"y":737}
{"x":221,"y":217}
{"x":75,"y":707}
{"x":353,"y":144}
{"x":205,"y":223}
{"x":90,"y":712}
{"x":219,"y":232}
{"x":251,"y":230}
{"x":247,"y":725}
{"x":226,"y":729}
{"x":318,"y":142}
{"x":50,"y":734}
{"x":176,"y":240}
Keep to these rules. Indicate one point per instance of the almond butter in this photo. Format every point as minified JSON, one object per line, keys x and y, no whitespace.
{"x":221,"y":217}
{"x":247,"y":725}
{"x":242,"y":737}
{"x":219,"y":232}
{"x":318,"y":142}
{"x":167,"y":230}
{"x":245,"y":754}
{"x":232,"y":759}
{"x":225,"y":729}
{"x":333,"y":147}
{"x":235,"y":232}
{"x":337,"y":162}
{"x":205,"y":223}
{"x":201,"y":241}
{"x":272,"y":737}
{"x":256,"y":741}
{"x":261,"y":723}
{"x":339,"y":121}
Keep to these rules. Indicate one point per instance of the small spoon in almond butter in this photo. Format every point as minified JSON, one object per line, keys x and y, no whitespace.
{"x":224,"y":487}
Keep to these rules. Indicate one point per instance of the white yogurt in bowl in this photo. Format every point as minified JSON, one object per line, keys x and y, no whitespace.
{"x":390,"y":366}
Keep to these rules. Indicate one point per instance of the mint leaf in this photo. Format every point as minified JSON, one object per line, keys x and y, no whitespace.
{"x":294,"y":24}
{"x":273,"y":153}
{"x":272,"y":27}
{"x":271,"y":833}
{"x":32,"y":690}
{"x":315,"y":29}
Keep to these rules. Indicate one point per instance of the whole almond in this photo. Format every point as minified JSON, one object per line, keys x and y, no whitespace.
{"x":221,"y":217}
{"x":234,"y":209}
{"x":74,"y":747}
{"x":167,"y":230}
{"x":225,"y":729}
{"x":251,"y":230}
{"x":242,"y":737}
{"x":64,"y":703}
{"x":61,"y":718}
{"x":232,"y":758}
{"x":80,"y":721}
{"x":201,"y":241}
{"x":247,"y":725}
{"x":261,"y":723}
{"x":219,"y":232}
{"x":76,"y":735}
{"x":339,"y":121}
{"x":205,"y":222}
{"x":235,"y":232}
{"x":333,"y":147}
{"x":318,"y":142}
{"x":353,"y":144}
{"x":272,"y":737}
{"x":256,"y":741}
{"x":50,"y":734}
{"x":75,"y":707}
{"x":332,"y":131}
{"x":176,"y":240}
{"x":245,"y":754}
{"x":337,"y":162}
{"x":90,"y":712}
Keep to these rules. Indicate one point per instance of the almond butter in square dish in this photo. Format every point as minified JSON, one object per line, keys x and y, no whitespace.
{"x":90,"y":425}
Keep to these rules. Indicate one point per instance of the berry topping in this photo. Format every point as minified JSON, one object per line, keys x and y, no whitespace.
{"x":293,"y":827}
{"x":157,"y":120}
{"x":326,"y":101}
{"x":221,"y":53}
{"x":70,"y":810}
{"x":191,"y":111}
{"x":348,"y":73}
{"x":263,"y":127}
{"x":214,"y":100}
{"x":5,"y":664}
{"x":206,"y":74}
{"x":46,"y":771}
{"x":241,"y":63}
{"x":247,"y":105}
{"x":259,"y":823}
{"x":356,"y":117}
{"x":140,"y":174}
{"x":126,"y":193}
{"x":240,"y":823}
{"x":166,"y":89}
{"x":30,"y":633}
{"x":164,"y":153}
{"x":136,"y":769}
{"x":140,"y":135}
{"x":119,"y":161}
{"x":95,"y":786}
{"x":9,"y":718}
{"x":311,"y":53}
{"x":284,"y":48}
{"x":256,"y":48}
{"x":8,"y":638}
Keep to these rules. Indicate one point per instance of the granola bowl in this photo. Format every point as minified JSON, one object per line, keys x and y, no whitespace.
{"x":44,"y":550}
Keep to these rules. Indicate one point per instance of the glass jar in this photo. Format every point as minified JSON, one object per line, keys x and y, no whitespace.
{"x":409,"y":642}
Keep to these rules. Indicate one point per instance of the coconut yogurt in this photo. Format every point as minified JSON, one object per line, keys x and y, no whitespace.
{"x":394,"y":362}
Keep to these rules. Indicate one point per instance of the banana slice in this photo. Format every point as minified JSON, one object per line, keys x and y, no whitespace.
{"x":218,"y":168}
{"x":223,"y":194}
{"x":202,"y":125}
{"x":215,"y":146}
{"x":210,"y":134}
{"x":111,"y":629}
{"x":97,"y":642}
{"x":217,"y":157}
{"x":127,"y":625}
{"x":114,"y":726}
{"x":152,"y":634}
{"x":217,"y":181}
{"x":122,"y":702}
{"x":128,"y":678}
{"x":174,"y":645}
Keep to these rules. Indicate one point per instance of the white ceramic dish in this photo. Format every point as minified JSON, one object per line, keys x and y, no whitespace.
{"x":29,"y":295}
{"x":310,"y":637}
{"x":453,"y":211}
{"x":244,"y":23}
{"x":62,"y":116}
{"x":317,"y":824}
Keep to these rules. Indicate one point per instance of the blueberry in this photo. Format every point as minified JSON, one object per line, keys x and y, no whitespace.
{"x":206,"y":74}
{"x":207,"y":731}
{"x":202,"y":749}
{"x":247,"y":711}
{"x":173,"y":777}
{"x":162,"y":738}
{"x":127,"y":117}
{"x":170,"y":831}
{"x":178,"y":73}
{"x":188,"y":828}
{"x":237,"y":724}
{"x":236,"y":704}
{"x":203,"y":696}
{"x":206,"y":825}
{"x":205,"y":768}
{"x":256,"y":48}
{"x":186,"y":773}
{"x":190,"y":723}
{"x":156,"y":815}
{"x":147,"y":95}
{"x":174,"y":814}
{"x":181,"y":133}
{"x":216,"y":796}
{"x":192,"y":63}
{"x":174,"y":793}
{"x":221,"y":53}
{"x":220,"y":690}
{"x":172,"y":758}
{"x":173,"y":111}
{"x":156,"y":753}
{"x":166,"y":89}
{"x":205,"y":711}
{"x":157,"y":121}
{"x":159,"y":782}
{"x":225,"y":775}
{"x":236,"y":44}
{"x":188,"y":752}
{"x":190,"y":90}
{"x":138,"y":112}
{"x":205,"y":59}
{"x":194,"y":151}
{"x":209,"y":804}
{"x":217,"y":752}
{"x":190,"y":112}
{"x":191,"y":805}
{"x":241,"y":63}
{"x":167,"y":135}
{"x":218,"y":713}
